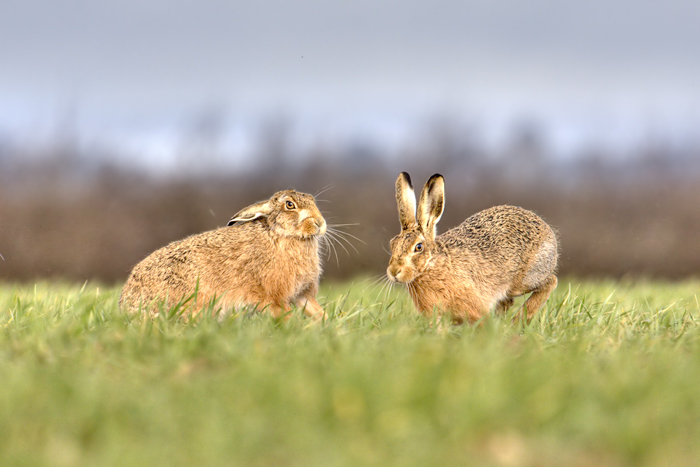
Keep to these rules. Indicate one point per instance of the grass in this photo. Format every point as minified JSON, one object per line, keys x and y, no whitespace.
{"x":608,"y":374}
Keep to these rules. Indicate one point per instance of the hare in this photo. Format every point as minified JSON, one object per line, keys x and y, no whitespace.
{"x":266,"y":257}
{"x":493,"y":256}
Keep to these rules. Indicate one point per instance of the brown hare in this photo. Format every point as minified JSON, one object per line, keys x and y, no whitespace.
{"x":493,"y":256}
{"x":267,"y":257}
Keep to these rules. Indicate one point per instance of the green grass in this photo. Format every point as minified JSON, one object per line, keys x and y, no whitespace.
{"x":608,"y":374}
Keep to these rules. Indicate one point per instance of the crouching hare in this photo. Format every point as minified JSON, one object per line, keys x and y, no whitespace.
{"x":493,"y":256}
{"x":267,"y":257}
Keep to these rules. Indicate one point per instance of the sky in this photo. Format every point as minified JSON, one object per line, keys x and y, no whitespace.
{"x":136,"y":72}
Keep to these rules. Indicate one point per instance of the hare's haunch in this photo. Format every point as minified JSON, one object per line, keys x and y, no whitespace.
{"x":267,"y":257}
{"x":493,"y":256}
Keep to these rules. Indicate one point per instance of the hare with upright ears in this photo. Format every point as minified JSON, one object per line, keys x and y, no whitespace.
{"x":267,"y":257}
{"x":493,"y":256}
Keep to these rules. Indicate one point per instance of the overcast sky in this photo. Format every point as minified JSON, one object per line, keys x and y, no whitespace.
{"x":586,"y":69}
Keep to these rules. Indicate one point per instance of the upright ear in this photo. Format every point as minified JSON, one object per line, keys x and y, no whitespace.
{"x":406,"y":201}
{"x":431,"y":205}
{"x":252,"y":212}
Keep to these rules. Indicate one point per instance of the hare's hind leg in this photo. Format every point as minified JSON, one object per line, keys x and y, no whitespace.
{"x":502,"y":306}
{"x":312,"y":308}
{"x":539,"y":297}
{"x":279,"y":311}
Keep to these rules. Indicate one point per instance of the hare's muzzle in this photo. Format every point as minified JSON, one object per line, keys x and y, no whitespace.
{"x":392,"y":272}
{"x":312,"y":226}
{"x":321,"y":227}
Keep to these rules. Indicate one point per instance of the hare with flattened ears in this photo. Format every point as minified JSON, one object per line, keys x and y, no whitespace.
{"x":267,"y":257}
{"x":493,"y":256}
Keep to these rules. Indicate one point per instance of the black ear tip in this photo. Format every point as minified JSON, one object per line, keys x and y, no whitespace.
{"x":434,"y":179}
{"x":407,"y":178}
{"x":231,"y":222}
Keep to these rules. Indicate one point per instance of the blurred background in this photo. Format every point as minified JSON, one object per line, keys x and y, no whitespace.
{"x":127,"y":124}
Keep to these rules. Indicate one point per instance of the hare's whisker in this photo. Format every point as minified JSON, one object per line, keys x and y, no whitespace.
{"x":324,"y":244}
{"x":376,"y":286}
{"x":387,"y":292}
{"x":375,"y":283}
{"x":371,"y":278}
{"x":384,"y":284}
{"x":333,"y":237}
{"x":338,"y":236}
{"x":350,"y":235}
{"x":330,"y":186}
{"x":343,"y":235}
{"x":387,"y":289}
{"x":411,"y":289}
{"x":329,"y":241}
{"x":381,"y":296}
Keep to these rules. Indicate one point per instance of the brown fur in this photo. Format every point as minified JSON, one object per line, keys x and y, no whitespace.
{"x":493,"y":256}
{"x":267,"y":257}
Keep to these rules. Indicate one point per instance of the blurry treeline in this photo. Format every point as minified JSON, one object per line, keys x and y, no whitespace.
{"x":71,"y":212}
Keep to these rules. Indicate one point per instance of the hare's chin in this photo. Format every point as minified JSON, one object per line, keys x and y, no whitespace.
{"x":309,"y":236}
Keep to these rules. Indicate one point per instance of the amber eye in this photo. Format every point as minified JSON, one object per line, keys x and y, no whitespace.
{"x":419,"y":247}
{"x":290,"y":205}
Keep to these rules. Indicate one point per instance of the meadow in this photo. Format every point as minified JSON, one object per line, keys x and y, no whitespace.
{"x":608,"y":374}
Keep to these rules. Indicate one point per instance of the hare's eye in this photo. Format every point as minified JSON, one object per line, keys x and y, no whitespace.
{"x":419,"y":247}
{"x":290,"y":205}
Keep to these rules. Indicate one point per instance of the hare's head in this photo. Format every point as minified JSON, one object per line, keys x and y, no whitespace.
{"x":413,"y":249}
{"x":288,"y":213}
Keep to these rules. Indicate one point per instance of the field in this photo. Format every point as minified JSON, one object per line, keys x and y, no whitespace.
{"x":607,"y":375}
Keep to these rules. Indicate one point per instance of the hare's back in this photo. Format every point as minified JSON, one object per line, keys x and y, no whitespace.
{"x":177,"y":268}
{"x":501,"y":229}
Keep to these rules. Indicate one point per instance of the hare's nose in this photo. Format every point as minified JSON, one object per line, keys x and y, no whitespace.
{"x":391,"y":272}
{"x":321,"y":224}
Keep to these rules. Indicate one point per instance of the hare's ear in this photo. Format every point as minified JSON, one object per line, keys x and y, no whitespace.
{"x":431,"y":205}
{"x":406,"y":201}
{"x":252,"y":212}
